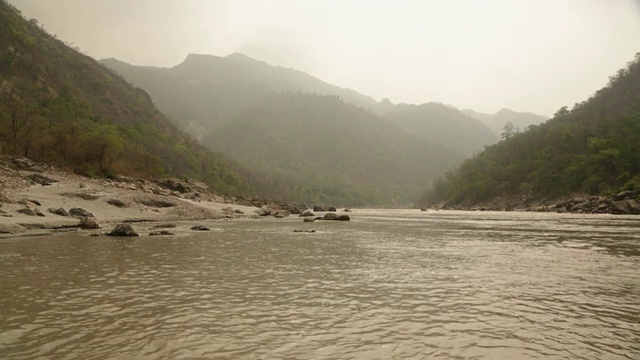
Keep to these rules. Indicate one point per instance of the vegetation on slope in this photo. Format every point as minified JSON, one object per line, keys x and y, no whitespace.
{"x":592,"y":149}
{"x":443,"y":125}
{"x":319,"y":149}
{"x":206,"y":91}
{"x":59,"y":106}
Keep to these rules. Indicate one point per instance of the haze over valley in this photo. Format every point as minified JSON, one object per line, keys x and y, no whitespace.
{"x":319,"y":179}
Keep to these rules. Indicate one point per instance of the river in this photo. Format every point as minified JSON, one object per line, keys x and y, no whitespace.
{"x":389,"y":284}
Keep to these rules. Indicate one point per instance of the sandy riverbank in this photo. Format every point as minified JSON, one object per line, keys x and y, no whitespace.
{"x":28,"y":204}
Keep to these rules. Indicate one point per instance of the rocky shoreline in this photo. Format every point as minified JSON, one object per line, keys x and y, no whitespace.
{"x":623,"y":203}
{"x":37,"y":198}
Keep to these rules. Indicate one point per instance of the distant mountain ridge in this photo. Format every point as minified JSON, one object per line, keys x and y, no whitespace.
{"x":496,"y":122}
{"x":207,"y":91}
{"x":212,"y":97}
{"x":319,"y":149}
{"x":443,"y":125}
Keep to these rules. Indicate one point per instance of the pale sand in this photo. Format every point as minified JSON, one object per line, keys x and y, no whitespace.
{"x":65,"y":194}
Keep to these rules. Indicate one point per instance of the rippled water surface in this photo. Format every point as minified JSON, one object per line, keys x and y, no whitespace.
{"x":388,"y":284}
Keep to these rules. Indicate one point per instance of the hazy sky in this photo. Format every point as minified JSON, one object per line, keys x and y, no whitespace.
{"x":527,"y":55}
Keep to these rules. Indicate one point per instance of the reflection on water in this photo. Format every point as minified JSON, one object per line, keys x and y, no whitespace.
{"x":396,"y":284}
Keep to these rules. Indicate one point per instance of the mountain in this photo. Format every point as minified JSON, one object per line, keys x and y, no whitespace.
{"x":60,"y":106}
{"x":206,"y":91}
{"x":320,"y":149}
{"x":442,"y":124}
{"x":219,"y":100}
{"x":592,"y":149}
{"x":496,"y":122}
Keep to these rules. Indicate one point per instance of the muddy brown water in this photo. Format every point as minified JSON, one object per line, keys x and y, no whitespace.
{"x":388,"y":284}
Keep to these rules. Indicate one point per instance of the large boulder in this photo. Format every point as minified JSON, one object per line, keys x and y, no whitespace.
{"x":123,"y":230}
{"x":582,"y":207}
{"x":318,"y":208}
{"x":27,"y":211}
{"x":22,"y":163}
{"x":625,"y":207}
{"x":41,"y":179}
{"x":623,"y":195}
{"x":78,"y":212}
{"x":281,"y":214}
{"x":58,"y":211}
{"x":307,"y":214}
{"x":200,"y":228}
{"x":174,"y":184}
{"x":89,"y":223}
{"x":160,"y":233}
{"x":330,"y":216}
{"x":81,"y":195}
{"x":332,"y":209}
{"x":155,"y":202}
{"x":335,"y":217}
{"x":116,"y":202}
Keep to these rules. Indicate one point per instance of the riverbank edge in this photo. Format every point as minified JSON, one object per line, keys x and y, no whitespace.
{"x":39,"y":199}
{"x":622,"y":203}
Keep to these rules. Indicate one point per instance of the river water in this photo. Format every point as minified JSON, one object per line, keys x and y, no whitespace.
{"x":388,"y":284}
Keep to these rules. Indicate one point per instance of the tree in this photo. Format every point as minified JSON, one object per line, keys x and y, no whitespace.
{"x":19,"y":119}
{"x":508,"y":131}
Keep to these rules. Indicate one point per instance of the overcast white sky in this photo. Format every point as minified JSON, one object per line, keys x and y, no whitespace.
{"x":527,"y":55}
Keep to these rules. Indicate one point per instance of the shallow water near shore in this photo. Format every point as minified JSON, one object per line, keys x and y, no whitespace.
{"x":388,"y":284}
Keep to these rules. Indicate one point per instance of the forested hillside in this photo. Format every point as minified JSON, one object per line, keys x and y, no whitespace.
{"x":60,"y":106}
{"x":593,"y":148}
{"x":259,"y":115}
{"x":206,"y":91}
{"x":443,"y":125}
{"x":321,"y":150}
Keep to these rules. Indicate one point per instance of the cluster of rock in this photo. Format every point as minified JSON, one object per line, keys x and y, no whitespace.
{"x":183,"y":188}
{"x":282,"y":210}
{"x":624,"y":203}
{"x":311,"y":217}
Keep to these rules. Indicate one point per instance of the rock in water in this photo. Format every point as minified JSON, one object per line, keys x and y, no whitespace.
{"x":123,"y":230}
{"x":330,"y":216}
{"x":335,"y":217}
{"x":200,"y":228}
{"x":160,"y":232}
